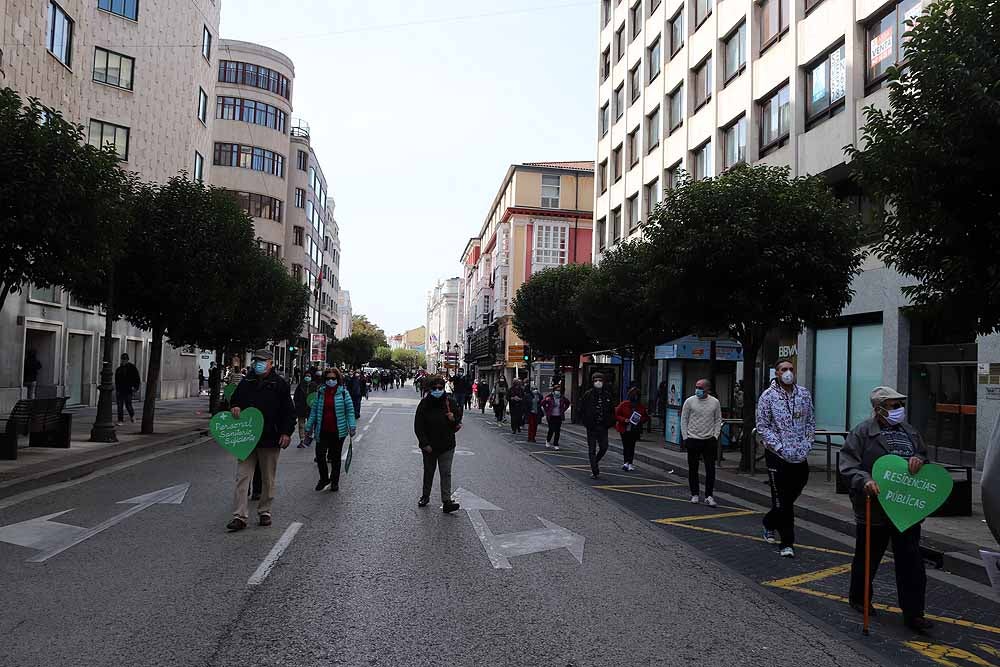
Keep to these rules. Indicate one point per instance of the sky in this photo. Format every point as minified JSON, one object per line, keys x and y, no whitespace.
{"x":416,"y":110}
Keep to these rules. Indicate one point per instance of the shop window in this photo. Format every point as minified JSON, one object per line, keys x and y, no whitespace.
{"x":848,"y":365}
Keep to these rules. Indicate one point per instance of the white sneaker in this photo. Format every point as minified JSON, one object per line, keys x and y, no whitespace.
{"x":710,"y":501}
{"x":548,"y":445}
{"x":624,"y":466}
{"x":631,"y":467}
{"x":695,"y":499}
{"x":555,"y":447}
{"x":787,"y":552}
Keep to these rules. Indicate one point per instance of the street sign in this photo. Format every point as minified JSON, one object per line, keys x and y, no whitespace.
{"x":515,"y":351}
{"x":501,"y":548}
{"x":317,"y":347}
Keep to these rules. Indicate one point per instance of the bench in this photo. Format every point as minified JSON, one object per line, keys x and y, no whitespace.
{"x":42,"y":419}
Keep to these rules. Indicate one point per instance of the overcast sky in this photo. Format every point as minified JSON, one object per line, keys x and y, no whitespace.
{"x":416,"y":110}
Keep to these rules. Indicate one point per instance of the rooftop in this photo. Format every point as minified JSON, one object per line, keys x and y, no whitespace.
{"x":580,"y":165}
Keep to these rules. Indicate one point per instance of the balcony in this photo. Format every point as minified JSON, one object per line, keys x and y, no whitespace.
{"x":300,"y":128}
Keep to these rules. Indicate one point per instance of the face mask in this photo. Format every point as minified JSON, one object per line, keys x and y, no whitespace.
{"x":437,"y":393}
{"x":260,"y":367}
{"x":557,"y":394}
{"x":895,"y":416}
{"x":788,"y":377}
{"x":598,"y":385}
{"x":307,"y":379}
{"x":700,"y":393}
{"x":331,"y":383}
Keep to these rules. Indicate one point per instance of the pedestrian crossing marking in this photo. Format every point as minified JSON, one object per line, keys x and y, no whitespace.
{"x":701,"y":517}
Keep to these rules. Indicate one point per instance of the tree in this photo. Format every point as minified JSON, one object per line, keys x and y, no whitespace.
{"x":62,"y":201}
{"x":382,"y":357}
{"x":620,"y":285}
{"x":749,"y":251}
{"x":354,"y":351}
{"x":927,"y":162}
{"x":362,"y":327}
{"x":408,"y":359}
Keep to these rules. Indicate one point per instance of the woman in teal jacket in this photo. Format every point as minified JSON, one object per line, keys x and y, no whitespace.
{"x":331,"y":419}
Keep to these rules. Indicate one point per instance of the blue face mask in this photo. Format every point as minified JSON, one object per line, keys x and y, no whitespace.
{"x":437,"y":393}
{"x":700,"y":393}
{"x":331,"y":383}
{"x":307,"y":379}
{"x":260,"y":367}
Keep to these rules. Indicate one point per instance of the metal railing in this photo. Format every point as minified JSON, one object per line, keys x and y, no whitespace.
{"x":824,"y":438}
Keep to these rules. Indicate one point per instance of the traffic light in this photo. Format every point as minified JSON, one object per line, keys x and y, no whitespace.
{"x":292,"y":349}
{"x":527,"y":354}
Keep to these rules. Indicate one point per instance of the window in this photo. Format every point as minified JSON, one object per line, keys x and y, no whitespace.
{"x":300,"y":198}
{"x":886,"y":43}
{"x":551,"y":246}
{"x":616,"y":223}
{"x":616,"y":163}
{"x":113,"y":68}
{"x":199,"y":167}
{"x":251,"y":111}
{"x":847,"y":365}
{"x":602,"y":233}
{"x":634,"y":82}
{"x":774,"y":119}
{"x":259,"y":206}
{"x":676,"y":110}
{"x":653,"y":129}
{"x":620,"y":43}
{"x":653,"y":59}
{"x":635,"y":19}
{"x":632,"y":209}
{"x":303,"y":160}
{"x":270,"y":249}
{"x":701,"y":158}
{"x":632,"y":147}
{"x":653,"y":5}
{"x":604,"y":120}
{"x":249,"y":157}
{"x":602,"y":177}
{"x":773,"y":21}
{"x":127,"y":8}
{"x":826,"y":85}
{"x":202,"y":105}
{"x":606,"y":64}
{"x":59,"y":34}
{"x":651,"y":195}
{"x":735,"y":139}
{"x":206,"y":43}
{"x":735,"y":53}
{"x":619,"y":101}
{"x":670,"y":176}
{"x":550,"y":191}
{"x":108,"y":134}
{"x":298,"y":236}
{"x":703,"y":84}
{"x":702,"y":10}
{"x":677,"y":32}
{"x":254,"y":75}
{"x":605,"y":12}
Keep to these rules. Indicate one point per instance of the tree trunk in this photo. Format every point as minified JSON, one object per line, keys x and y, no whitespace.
{"x":576,"y":389}
{"x":152,"y":380}
{"x":215,"y":382}
{"x":103,"y":429}
{"x":751,"y":346}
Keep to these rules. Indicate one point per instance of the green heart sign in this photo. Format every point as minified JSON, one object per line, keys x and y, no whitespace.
{"x":310,"y":399}
{"x":229,"y":390}
{"x":909,"y":499}
{"x":237,"y":436}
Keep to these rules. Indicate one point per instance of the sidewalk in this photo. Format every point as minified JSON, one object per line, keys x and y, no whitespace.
{"x":953,"y":542}
{"x":177,"y":422}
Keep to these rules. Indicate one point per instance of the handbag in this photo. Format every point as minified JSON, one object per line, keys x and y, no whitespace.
{"x":451,"y":416}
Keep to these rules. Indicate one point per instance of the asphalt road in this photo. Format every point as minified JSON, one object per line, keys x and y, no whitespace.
{"x":371,"y":579}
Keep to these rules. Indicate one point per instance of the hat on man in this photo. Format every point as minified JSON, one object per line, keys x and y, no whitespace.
{"x":881,"y":394}
{"x":266,"y":355}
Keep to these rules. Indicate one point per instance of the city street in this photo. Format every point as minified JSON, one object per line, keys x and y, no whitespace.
{"x":127,"y":575}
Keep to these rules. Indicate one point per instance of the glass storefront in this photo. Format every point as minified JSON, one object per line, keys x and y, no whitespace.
{"x":942,"y":403}
{"x":848,"y":366}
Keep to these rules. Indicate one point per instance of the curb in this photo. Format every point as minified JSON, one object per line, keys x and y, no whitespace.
{"x":71,"y":471}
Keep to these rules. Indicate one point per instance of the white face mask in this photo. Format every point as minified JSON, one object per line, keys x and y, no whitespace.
{"x":788,"y":377}
{"x":598,"y":384}
{"x":896,"y":416}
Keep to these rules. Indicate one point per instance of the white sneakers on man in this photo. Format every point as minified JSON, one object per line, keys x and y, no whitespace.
{"x":710,"y":501}
{"x":695,"y":499}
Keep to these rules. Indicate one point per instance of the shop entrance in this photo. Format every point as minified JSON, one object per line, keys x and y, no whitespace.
{"x":78,"y":373}
{"x":942,"y":404}
{"x":43,"y":342}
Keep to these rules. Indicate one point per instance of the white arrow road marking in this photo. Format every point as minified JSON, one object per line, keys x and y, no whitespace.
{"x":501,"y":548}
{"x":52,"y":537}
{"x":272,"y":557}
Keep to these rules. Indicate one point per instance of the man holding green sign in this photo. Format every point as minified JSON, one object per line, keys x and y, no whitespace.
{"x":885,"y":457}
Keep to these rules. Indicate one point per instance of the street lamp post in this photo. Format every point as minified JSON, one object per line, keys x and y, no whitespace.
{"x":103,"y":429}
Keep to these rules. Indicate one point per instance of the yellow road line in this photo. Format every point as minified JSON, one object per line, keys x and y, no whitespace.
{"x":940,"y":653}
{"x":749,"y":537}
{"x":586,"y":467}
{"x":615,"y":487}
{"x":808,"y":577}
{"x":699,"y":517}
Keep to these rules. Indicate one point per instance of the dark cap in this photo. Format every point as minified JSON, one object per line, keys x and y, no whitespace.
{"x":263,"y":354}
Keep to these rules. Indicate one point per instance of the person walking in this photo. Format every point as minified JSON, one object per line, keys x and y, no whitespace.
{"x":31,"y":367}
{"x":126,"y":384}
{"x":630,"y":416}
{"x":554,"y":406}
{"x":516,"y":398}
{"x":268,"y":392}
{"x":462,"y":388}
{"x":499,"y":399}
{"x":201,"y":381}
{"x":597,"y":415}
{"x":701,"y":424}
{"x":354,"y":389}
{"x":483,"y":394}
{"x":435,"y":424}
{"x":534,"y":410}
{"x":885,"y":432}
{"x":786,"y":423}
{"x":330,"y":421}
{"x":310,"y":383}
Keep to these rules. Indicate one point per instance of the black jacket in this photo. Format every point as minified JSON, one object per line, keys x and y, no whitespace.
{"x":596,"y":410}
{"x":127,"y":377}
{"x":302,"y":392}
{"x":483,"y":389}
{"x":273,"y":397}
{"x":431,"y":424}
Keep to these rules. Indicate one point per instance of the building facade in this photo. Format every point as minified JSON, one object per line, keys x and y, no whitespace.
{"x":541,"y":217}
{"x":344,"y":314}
{"x":702,"y":85}
{"x":444,"y":326}
{"x":118,"y":69}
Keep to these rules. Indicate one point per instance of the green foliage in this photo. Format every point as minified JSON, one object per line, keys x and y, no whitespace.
{"x":354,"y":351}
{"x":408,"y":359}
{"x":383,"y":354}
{"x":361,"y":326}
{"x":929,"y":162}
{"x":547,"y":313}
{"x":63,"y":203}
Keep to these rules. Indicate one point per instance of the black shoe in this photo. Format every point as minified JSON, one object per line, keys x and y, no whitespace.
{"x":265,"y":520}
{"x":595,"y":475}
{"x":255,"y":496}
{"x":322,"y":484}
{"x":423,"y":502}
{"x":334,"y":488}
{"x":860,"y":608}
{"x":236,"y":524}
{"x":918,"y":624}
{"x":450,"y":507}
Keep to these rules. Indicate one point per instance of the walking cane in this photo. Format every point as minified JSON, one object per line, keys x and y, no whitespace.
{"x":868,"y":563}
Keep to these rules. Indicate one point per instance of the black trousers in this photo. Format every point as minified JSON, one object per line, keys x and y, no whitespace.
{"x":555,"y":428}
{"x":698,"y":450}
{"x":329,"y":448}
{"x":911,"y":577}
{"x":787,"y":481}
{"x":442,"y":463}
{"x":498,"y":408}
{"x":482,"y":405}
{"x":124,"y":402}
{"x":516,"y":416}
{"x":629,"y":438}
{"x":597,"y":446}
